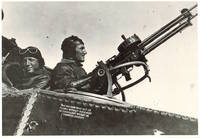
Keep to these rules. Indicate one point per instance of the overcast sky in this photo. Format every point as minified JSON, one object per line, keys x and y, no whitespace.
{"x":173,"y":66}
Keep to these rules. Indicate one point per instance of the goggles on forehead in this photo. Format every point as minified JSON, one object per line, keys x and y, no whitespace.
{"x":31,"y":50}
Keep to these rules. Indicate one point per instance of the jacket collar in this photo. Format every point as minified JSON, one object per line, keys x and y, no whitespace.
{"x":65,"y":60}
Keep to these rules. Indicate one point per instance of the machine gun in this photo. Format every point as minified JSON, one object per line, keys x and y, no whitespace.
{"x":132,"y":52}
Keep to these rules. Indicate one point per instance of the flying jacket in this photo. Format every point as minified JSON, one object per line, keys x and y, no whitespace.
{"x":66,"y":72}
{"x":40,"y":79}
{"x":13,"y":76}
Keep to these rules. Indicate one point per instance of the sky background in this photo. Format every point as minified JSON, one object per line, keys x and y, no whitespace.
{"x":173,"y":66}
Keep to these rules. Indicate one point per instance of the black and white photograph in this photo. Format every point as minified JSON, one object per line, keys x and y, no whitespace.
{"x":99,"y":68}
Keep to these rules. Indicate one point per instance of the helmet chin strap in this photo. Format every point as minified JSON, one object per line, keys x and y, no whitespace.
{"x":69,"y":55}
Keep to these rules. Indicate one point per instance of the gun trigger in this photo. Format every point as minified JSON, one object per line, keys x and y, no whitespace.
{"x":149,"y":78}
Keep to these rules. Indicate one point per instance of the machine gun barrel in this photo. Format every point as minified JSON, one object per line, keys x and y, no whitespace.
{"x":184,"y":15}
{"x":167,"y":36}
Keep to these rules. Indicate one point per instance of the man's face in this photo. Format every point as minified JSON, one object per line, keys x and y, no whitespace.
{"x":80,"y":52}
{"x":30,"y":64}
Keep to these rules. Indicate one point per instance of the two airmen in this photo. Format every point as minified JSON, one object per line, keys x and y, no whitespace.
{"x":34,"y":73}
